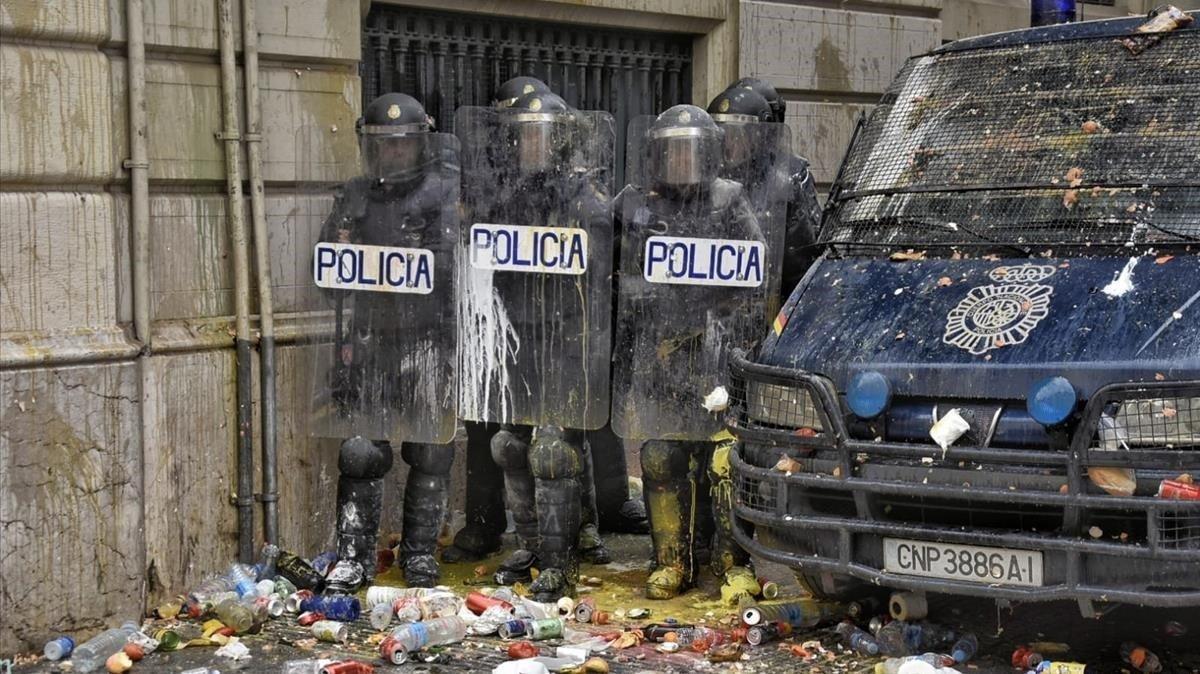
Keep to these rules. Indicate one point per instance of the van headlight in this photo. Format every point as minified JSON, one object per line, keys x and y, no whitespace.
{"x":1151,"y":422}
{"x":788,"y":407}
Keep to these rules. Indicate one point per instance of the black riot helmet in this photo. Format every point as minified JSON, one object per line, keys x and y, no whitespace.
{"x":767,"y":91}
{"x":515,"y":87}
{"x":394,"y":132}
{"x":683,"y":148}
{"x":534,"y":125}
{"x":737,"y":110}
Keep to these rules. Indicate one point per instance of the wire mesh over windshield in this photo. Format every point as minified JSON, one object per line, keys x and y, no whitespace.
{"x":1071,"y":143}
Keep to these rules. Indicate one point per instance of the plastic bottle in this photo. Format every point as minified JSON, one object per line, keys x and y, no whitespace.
{"x":856,"y":639}
{"x":386,"y":594}
{"x":414,"y":637}
{"x":236,"y":615}
{"x":893,"y":665}
{"x":381,"y":616}
{"x":208,"y":588}
{"x":265,"y":568}
{"x":923,"y":636}
{"x":57,"y":649}
{"x":891,"y":639}
{"x":965,"y":648}
{"x":342,"y":608}
{"x":241,"y":577}
{"x":92,"y":654}
{"x":1140,"y":658}
{"x":304,"y":666}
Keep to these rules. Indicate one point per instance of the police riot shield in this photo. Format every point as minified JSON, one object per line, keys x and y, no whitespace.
{"x":382,"y":263}
{"x":757,"y":155}
{"x":698,"y":250}
{"x":535,"y":301}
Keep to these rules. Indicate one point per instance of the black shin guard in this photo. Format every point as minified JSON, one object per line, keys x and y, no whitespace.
{"x":425,"y":503}
{"x":557,"y":464}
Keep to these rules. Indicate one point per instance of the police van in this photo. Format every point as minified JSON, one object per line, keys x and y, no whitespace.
{"x":989,"y":382}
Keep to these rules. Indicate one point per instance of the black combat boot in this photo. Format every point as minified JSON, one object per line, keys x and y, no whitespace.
{"x":510,"y":451}
{"x":362,"y":464}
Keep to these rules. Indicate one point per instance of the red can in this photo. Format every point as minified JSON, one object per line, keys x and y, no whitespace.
{"x":1026,"y":658}
{"x":477,"y":603}
{"x":348,"y":667}
{"x":1178,"y":491}
{"x":309,"y":617}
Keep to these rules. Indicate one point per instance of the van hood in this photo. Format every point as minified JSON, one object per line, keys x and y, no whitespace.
{"x":988,"y":328}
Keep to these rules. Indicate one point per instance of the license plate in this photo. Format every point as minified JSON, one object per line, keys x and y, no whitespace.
{"x":970,"y":563}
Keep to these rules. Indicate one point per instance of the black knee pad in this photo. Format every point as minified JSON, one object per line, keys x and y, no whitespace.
{"x":432,"y":459}
{"x":362,"y":459}
{"x":553,"y":456}
{"x":664,"y":460}
{"x":509,"y":451}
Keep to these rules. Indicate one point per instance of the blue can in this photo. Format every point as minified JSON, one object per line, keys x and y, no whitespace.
{"x":322,"y":562}
{"x":342,"y":608}
{"x":513,"y":629}
{"x":59,"y":649}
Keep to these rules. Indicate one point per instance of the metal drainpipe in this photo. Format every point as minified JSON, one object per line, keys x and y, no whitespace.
{"x":266,"y":307}
{"x":139,"y":214}
{"x":241,"y":285}
{"x":139,"y":169}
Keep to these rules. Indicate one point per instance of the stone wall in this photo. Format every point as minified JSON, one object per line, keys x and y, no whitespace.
{"x":116,"y":472}
{"x":832,"y":63}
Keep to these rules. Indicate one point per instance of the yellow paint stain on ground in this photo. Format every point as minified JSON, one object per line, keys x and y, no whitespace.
{"x":622,"y":589}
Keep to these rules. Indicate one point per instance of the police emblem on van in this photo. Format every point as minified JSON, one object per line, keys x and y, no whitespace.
{"x":1002,"y":313}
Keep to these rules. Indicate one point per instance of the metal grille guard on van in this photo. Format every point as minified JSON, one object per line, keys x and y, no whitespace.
{"x":761,"y":494}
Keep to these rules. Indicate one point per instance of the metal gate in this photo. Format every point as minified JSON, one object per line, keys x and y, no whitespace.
{"x":447,"y":60}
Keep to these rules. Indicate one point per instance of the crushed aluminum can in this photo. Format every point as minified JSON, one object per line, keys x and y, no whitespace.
{"x":638,"y":613}
{"x":330,"y":631}
{"x":585,"y":609}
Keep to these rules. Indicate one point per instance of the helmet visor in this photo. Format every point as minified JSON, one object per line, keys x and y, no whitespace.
{"x":536,"y":139}
{"x":683,"y":156}
{"x":394,"y":156}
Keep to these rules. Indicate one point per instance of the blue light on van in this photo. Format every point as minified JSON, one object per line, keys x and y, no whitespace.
{"x":1051,"y":401}
{"x":868,"y":394}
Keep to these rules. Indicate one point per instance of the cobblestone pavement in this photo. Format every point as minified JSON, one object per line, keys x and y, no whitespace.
{"x":999,"y":629}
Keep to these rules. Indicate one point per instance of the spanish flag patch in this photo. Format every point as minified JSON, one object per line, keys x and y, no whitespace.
{"x":780,"y":322}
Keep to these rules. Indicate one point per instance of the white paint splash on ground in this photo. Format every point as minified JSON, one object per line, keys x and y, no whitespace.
{"x":1122,"y":281}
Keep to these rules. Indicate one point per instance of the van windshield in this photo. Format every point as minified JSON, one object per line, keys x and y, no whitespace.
{"x":1072,"y":143}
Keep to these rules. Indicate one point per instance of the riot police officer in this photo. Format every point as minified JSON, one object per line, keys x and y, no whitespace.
{"x":677,"y":311}
{"x":484,"y":508}
{"x":393,"y":373}
{"x":804,"y":209}
{"x":536,"y":328}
